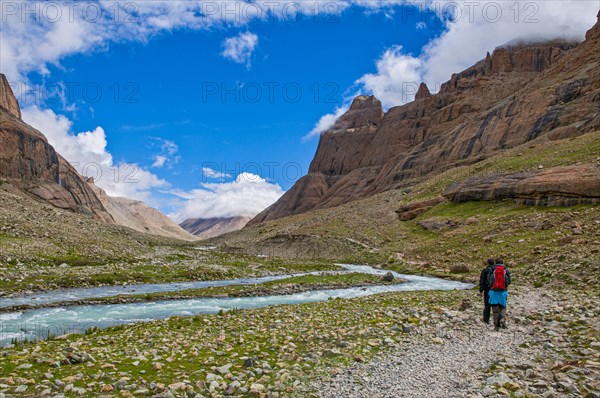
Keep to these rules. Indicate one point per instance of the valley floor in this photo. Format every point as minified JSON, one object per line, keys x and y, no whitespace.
{"x":409,"y":344}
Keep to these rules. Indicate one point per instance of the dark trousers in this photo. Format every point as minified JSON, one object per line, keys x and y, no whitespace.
{"x":487,"y":309}
{"x":499,"y":316}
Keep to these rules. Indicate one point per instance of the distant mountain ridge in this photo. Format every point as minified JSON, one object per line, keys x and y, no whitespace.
{"x":518,"y":94}
{"x":206,"y":228}
{"x":137,"y":215}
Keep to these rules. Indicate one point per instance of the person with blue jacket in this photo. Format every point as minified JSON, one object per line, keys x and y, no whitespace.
{"x":498,"y":282}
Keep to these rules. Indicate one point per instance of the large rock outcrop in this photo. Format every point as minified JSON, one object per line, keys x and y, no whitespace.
{"x":29,"y":162}
{"x":557,"y":186}
{"x":518,"y":94}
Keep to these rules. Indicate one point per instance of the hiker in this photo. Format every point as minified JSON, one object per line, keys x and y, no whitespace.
{"x":484,"y":290}
{"x":498,"y":282}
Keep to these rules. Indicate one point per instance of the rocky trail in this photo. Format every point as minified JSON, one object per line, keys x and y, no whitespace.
{"x":469,"y":359}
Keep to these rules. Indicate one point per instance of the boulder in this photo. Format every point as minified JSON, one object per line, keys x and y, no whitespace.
{"x":413,"y":210}
{"x":388,"y":277}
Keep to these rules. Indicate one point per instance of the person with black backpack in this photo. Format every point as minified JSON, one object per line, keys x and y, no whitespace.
{"x":484,"y":290}
{"x":498,"y":282}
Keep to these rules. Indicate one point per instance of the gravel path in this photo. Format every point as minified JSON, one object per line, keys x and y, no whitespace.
{"x":450,"y":367}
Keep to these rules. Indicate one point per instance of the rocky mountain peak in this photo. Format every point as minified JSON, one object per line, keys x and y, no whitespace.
{"x":365,"y":111}
{"x":423,"y":92}
{"x":8,"y":101}
{"x":594,"y":33}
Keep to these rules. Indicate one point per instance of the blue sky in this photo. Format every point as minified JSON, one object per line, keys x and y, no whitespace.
{"x":174,"y":78}
{"x":162,"y":107}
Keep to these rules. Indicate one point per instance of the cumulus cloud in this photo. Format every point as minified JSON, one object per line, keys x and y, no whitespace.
{"x":470,"y":33}
{"x":239,"y":48}
{"x":87,"y":152}
{"x":395,"y":79}
{"x":247,"y":195}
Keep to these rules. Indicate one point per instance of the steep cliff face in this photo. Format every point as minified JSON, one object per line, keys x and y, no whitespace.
{"x":8,"y":101}
{"x":518,"y":94}
{"x":29,"y":162}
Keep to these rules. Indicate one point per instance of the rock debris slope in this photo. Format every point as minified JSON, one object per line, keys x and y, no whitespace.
{"x":139,"y":216}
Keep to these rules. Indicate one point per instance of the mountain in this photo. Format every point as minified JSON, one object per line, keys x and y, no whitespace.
{"x":139,"y":216}
{"x":211,"y":227}
{"x":520,"y":94}
{"x":30,"y":163}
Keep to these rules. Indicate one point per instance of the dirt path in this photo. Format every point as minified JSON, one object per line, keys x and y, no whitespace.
{"x":455,"y":364}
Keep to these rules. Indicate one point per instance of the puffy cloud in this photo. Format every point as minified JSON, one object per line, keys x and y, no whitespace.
{"x":87,"y":152}
{"x":247,"y":195}
{"x":396,"y":77}
{"x":239,"y":48}
{"x":472,"y":31}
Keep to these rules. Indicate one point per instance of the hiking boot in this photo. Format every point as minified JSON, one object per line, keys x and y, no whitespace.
{"x":484,"y":321}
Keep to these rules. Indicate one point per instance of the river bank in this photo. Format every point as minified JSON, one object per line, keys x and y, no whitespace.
{"x":286,"y":286}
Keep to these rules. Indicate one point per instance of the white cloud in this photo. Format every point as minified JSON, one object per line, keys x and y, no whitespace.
{"x":326,"y":122}
{"x":214,"y":174}
{"x":247,"y":196}
{"x":167,"y":155}
{"x":159,"y":161}
{"x":491,"y":24}
{"x":87,"y":152}
{"x":396,"y":78}
{"x":37,"y":34}
{"x":239,"y":48}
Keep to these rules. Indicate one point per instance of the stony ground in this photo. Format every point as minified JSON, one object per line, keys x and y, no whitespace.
{"x":409,"y":344}
{"x":541,"y":354}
